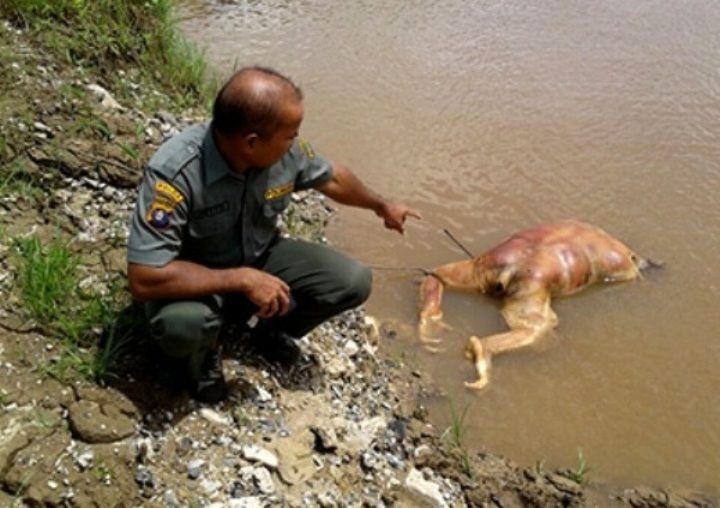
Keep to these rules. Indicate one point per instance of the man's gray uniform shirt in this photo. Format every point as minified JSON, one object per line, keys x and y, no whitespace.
{"x":192,"y":206}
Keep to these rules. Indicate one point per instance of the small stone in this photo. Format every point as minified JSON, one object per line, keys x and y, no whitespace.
{"x":210,"y":487}
{"x":144,"y":449}
{"x":398,"y":428}
{"x":171,"y":500}
{"x":263,"y":480}
{"x":246,"y":502}
{"x":255,"y":453}
{"x":185,"y":445}
{"x":85,"y":459}
{"x":195,"y":468}
{"x":144,"y":478}
{"x":214,"y":417}
{"x":394,"y":461}
{"x":52,"y":485}
{"x":351,"y":348}
{"x":107,"y":101}
{"x":369,"y":460}
{"x":262,"y":394}
{"x":39,"y":126}
{"x":326,"y":440}
{"x":417,"y":484}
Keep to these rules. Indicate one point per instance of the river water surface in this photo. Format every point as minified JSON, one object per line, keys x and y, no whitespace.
{"x":494,"y":116}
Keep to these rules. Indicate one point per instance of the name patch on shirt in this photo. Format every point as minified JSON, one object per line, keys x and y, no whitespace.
{"x":277,"y":192}
{"x":213,"y":210}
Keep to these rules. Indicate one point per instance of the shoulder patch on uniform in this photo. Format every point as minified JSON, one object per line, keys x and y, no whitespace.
{"x":158,"y":216}
{"x":164,"y":201}
{"x":307,"y":149}
{"x":167,"y":191}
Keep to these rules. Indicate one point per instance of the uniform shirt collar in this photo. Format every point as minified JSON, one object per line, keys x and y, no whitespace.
{"x":214,"y":164}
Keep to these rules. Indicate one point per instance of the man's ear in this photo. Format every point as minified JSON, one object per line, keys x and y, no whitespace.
{"x":251,"y":140}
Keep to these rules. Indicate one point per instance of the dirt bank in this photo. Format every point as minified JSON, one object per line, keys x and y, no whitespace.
{"x":342,"y":428}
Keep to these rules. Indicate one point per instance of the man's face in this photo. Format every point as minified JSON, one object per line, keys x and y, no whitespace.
{"x":270,"y":149}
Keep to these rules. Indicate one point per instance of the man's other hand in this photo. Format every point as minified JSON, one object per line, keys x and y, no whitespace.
{"x":269,"y":293}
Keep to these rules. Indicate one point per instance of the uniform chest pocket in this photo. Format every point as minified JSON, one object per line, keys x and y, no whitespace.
{"x":213,"y":241}
{"x":206,"y":227}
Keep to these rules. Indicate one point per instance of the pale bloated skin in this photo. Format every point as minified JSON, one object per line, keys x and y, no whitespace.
{"x":526,"y":271}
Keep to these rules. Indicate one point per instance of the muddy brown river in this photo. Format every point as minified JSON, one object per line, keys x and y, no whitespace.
{"x":494,"y":116}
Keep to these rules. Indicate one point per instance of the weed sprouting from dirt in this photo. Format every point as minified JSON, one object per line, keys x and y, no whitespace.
{"x":86,"y":322}
{"x":580,"y":474}
{"x":46,"y":276}
{"x":16,"y":179}
{"x":455,"y":435}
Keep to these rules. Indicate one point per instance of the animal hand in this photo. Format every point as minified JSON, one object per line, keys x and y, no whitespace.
{"x":395,"y":214}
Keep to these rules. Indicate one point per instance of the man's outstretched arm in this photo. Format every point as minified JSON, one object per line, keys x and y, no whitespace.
{"x":347,"y":189}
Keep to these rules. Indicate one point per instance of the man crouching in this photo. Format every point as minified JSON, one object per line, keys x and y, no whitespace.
{"x":204,"y":247}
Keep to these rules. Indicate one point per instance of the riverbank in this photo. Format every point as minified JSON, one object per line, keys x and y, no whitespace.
{"x":89,"y":416}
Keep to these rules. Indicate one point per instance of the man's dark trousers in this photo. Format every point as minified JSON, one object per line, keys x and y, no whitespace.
{"x":323,"y":283}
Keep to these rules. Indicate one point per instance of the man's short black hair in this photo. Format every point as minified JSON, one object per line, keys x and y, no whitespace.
{"x":243,"y":109}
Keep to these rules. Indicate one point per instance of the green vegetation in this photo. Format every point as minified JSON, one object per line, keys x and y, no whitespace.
{"x":137,"y":37}
{"x":455,"y":436}
{"x":134,"y":50}
{"x":102,"y":473}
{"x":580,"y":474}
{"x":89,"y":324}
{"x":15,"y":178}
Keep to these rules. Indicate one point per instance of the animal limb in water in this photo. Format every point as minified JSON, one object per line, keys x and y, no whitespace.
{"x":525,"y":272}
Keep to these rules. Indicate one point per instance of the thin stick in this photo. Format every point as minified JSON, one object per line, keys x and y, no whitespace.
{"x":424,"y":271}
{"x":457,"y":242}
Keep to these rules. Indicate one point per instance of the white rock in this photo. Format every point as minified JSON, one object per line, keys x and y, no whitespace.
{"x":85,"y":459}
{"x":359,"y":437}
{"x":246,"y":502}
{"x":263,"y":480}
{"x":106,"y":100}
{"x":421,"y":450}
{"x":214,"y":416}
{"x":416,"y":484}
{"x":338,"y":367}
{"x":255,"y":453}
{"x":262,"y":394}
{"x":351,"y":348}
{"x":39,"y":126}
{"x":210,"y":487}
{"x":144,"y":449}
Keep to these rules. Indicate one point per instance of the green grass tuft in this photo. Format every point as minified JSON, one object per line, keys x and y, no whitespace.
{"x":89,"y":325}
{"x":455,"y":436}
{"x":580,"y":474}
{"x":106,"y":36}
{"x":47,"y":277}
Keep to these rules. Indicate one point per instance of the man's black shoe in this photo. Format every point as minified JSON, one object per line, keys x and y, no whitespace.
{"x":209,"y":385}
{"x":277,"y":347}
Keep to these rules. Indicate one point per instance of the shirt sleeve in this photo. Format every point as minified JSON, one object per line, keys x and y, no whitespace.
{"x":313,"y":170}
{"x":158,"y":222}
